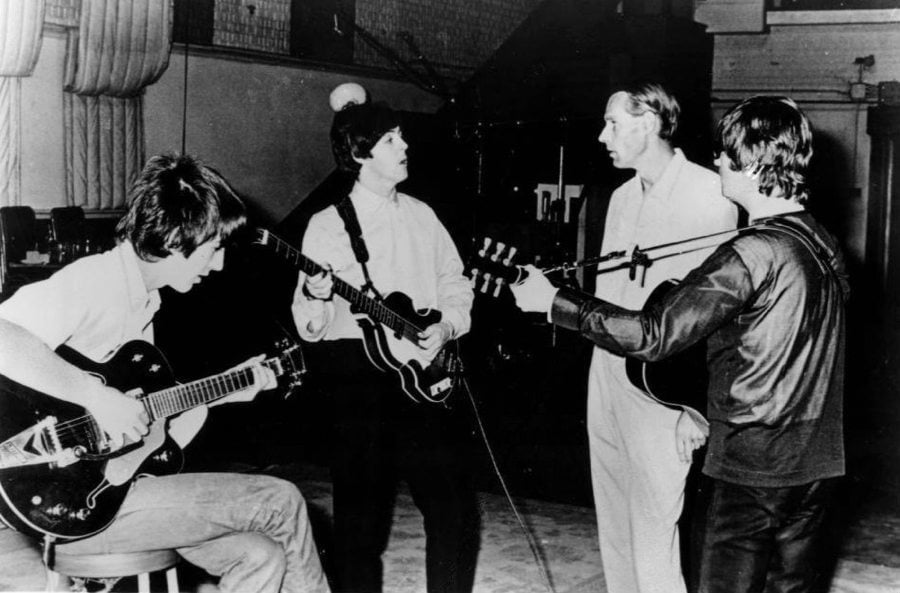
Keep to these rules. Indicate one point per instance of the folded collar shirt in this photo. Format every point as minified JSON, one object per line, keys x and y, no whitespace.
{"x":686,"y":201}
{"x":93,"y":305}
{"x":409,"y":250}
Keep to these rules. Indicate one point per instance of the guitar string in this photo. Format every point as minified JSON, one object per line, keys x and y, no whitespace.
{"x":70,"y":427}
{"x":532,"y":544}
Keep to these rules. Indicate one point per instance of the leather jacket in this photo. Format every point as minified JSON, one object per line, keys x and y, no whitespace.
{"x":773,"y":313}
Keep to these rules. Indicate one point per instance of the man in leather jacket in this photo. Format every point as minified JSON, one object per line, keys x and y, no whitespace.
{"x":770,"y":302}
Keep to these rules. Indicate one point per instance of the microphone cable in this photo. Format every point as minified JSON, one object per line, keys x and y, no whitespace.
{"x":529,"y":537}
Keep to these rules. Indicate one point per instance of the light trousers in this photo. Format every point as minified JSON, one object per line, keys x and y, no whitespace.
{"x":252,"y":531}
{"x":638,"y":482}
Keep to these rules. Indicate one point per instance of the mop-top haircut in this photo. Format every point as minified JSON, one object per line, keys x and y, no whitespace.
{"x":176,"y":205}
{"x":356,"y":129}
{"x":770,"y":137}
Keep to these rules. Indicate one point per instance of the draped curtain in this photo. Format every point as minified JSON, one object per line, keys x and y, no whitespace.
{"x":119,"y":47}
{"x":20,"y":44}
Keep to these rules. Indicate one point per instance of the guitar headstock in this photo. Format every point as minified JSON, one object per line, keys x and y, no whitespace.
{"x":492,"y":267}
{"x":288,"y":363}
{"x":261,"y":236}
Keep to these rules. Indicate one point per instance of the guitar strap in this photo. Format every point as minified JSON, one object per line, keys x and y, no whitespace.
{"x":820,"y":252}
{"x":351,"y":223}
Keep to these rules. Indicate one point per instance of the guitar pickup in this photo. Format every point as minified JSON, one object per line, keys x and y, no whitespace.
{"x":441,"y":386}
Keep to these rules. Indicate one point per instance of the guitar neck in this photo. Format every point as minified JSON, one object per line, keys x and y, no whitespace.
{"x":180,"y":398}
{"x":374,"y":308}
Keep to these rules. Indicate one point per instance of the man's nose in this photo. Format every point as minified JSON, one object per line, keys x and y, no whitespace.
{"x":218,"y":261}
{"x":604,"y":136}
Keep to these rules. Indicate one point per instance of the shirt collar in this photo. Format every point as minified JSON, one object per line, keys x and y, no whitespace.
{"x":138,"y":295}
{"x":787,"y":210}
{"x":666,"y":182}
{"x":365,"y":200}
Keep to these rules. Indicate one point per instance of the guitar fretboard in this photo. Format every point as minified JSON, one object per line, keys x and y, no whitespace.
{"x":374,"y":308}
{"x":174,"y":400}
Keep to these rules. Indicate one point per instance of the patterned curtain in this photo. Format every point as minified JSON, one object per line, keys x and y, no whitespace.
{"x":120,"y":47}
{"x":20,"y":45}
{"x":104,"y":139}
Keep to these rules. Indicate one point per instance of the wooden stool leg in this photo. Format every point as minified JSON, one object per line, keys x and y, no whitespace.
{"x":57,"y":581}
{"x":172,"y":580}
{"x":143,"y":582}
{"x":53,"y":580}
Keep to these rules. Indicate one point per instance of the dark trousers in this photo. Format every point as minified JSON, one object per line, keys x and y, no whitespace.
{"x":381,"y":437}
{"x":750,"y":539}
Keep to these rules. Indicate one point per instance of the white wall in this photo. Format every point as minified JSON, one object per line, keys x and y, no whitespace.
{"x":814,"y":65}
{"x":263,"y":125}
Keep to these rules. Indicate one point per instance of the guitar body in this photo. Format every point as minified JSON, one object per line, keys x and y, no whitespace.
{"x":71,"y":501}
{"x":678,"y":381}
{"x":390,"y":331}
{"x":421,"y":379}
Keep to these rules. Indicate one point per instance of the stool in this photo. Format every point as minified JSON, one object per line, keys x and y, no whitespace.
{"x":102,"y":566}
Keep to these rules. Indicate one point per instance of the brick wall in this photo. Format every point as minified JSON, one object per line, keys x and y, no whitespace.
{"x":262,"y":25}
{"x":456,"y":36}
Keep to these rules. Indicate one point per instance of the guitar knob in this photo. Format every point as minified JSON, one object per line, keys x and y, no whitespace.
{"x":80,"y":514}
{"x":499,"y":283}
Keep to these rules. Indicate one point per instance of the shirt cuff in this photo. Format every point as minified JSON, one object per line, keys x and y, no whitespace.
{"x":456,"y":321}
{"x":312,"y":318}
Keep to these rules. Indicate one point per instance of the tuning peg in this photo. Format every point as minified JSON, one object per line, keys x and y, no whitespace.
{"x":474,"y":272}
{"x":484,"y":248}
{"x":487,"y":281}
{"x":499,"y":283}
{"x":498,"y":251}
{"x":510,"y":256}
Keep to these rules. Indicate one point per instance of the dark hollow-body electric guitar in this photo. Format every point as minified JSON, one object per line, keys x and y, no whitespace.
{"x":680,"y":380}
{"x":59,"y":475}
{"x":397,"y":349}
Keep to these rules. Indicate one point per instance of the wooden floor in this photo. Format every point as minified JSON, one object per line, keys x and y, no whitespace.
{"x":564,"y":536}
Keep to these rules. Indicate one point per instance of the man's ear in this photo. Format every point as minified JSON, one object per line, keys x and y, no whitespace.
{"x":651,"y":122}
{"x":354,"y":154}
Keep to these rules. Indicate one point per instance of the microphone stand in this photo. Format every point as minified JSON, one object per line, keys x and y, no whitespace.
{"x":643,"y":258}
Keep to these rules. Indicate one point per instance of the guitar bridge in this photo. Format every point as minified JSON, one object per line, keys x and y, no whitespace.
{"x":35,"y":445}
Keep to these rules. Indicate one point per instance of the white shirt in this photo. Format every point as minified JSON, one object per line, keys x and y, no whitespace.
{"x":410,"y":251}
{"x":685,"y":202}
{"x":93,"y":305}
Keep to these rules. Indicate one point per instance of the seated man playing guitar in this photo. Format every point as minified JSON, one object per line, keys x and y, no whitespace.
{"x":251,"y":531}
{"x":389,"y":242}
